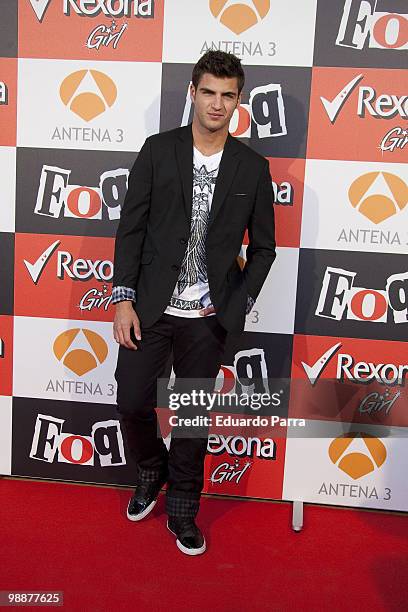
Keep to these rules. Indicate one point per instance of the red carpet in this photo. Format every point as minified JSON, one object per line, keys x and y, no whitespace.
{"x":76,"y":539}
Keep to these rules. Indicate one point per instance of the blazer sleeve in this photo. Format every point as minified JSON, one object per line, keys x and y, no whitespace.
{"x":132,"y":225}
{"x":261,"y":250}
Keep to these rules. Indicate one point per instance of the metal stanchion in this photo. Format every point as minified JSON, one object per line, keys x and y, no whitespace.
{"x":297,"y":516}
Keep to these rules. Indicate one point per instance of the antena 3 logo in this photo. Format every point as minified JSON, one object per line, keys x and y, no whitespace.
{"x":104,"y":447}
{"x":88,"y":94}
{"x":239,"y":15}
{"x":361,"y":25}
{"x":378,"y":195}
{"x":80,"y":360}
{"x":56,"y":195}
{"x":357,"y":464}
{"x":263,"y":117}
{"x":88,"y":104}
{"x":340,"y":299}
{"x":357,"y":454}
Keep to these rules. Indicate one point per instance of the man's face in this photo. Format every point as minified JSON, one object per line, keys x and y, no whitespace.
{"x":215,"y":100}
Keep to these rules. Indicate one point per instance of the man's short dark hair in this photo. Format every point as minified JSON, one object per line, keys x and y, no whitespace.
{"x":220,"y":64}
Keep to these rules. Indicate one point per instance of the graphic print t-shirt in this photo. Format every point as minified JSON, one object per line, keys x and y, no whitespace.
{"x":191,"y":292}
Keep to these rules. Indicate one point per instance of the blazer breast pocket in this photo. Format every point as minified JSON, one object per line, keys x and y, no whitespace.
{"x":239,"y":207}
{"x":239,"y":201}
{"x":239,"y":195}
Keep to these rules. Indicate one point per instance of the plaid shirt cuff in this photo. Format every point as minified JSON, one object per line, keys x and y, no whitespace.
{"x":119,"y":294}
{"x":206,"y":300}
{"x":250,"y":303}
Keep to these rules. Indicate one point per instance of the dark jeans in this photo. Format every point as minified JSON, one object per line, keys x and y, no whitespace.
{"x":198,"y":345}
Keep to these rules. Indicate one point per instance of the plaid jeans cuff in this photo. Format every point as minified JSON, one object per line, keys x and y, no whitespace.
{"x":145,"y":476}
{"x":181,"y":507}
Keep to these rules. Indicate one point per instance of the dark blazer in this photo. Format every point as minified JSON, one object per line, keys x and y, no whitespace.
{"x":155,"y":225}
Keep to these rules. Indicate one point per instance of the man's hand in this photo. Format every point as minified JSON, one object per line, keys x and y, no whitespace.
{"x":206,"y":311}
{"x":125,"y":319}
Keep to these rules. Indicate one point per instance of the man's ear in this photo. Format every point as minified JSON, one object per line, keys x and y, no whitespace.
{"x":239,"y":99}
{"x":192,"y":92}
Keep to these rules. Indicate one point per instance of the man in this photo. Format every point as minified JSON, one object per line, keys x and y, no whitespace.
{"x":177,"y":284}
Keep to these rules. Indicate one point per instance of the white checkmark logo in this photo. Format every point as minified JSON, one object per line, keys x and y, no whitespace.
{"x":35,"y":269}
{"x":314,"y":371}
{"x":334,"y":106}
{"x":39,"y":7}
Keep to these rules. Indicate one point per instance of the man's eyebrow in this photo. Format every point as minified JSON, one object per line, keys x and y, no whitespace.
{"x":207,"y":90}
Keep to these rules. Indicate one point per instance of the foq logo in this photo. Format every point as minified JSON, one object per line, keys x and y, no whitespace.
{"x":50,"y":443}
{"x":3,"y":94}
{"x":88,"y":93}
{"x":355,"y":462}
{"x":239,"y":15}
{"x":80,"y":350}
{"x":249,"y":372}
{"x":56,"y":197}
{"x":361,"y":24}
{"x":378,"y":195}
{"x":340,"y":298}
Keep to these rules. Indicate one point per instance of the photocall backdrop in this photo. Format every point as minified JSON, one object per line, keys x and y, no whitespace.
{"x":82,"y":84}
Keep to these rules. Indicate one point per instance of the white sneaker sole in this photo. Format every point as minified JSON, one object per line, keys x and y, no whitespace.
{"x":139,"y":517}
{"x":188,"y":551}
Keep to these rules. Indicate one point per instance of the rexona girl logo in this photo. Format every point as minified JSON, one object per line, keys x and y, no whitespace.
{"x":80,"y":350}
{"x":357,"y":460}
{"x":88,"y":93}
{"x":239,"y":15}
{"x":378,"y":195}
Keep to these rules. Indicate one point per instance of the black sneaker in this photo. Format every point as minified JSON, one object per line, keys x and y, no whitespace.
{"x":190,"y":540}
{"x":143,"y":500}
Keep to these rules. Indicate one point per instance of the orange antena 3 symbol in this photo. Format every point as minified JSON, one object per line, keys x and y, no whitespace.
{"x":378,"y":195}
{"x":357,"y":464}
{"x":88,"y":93}
{"x":239,"y":15}
{"x":80,"y":359}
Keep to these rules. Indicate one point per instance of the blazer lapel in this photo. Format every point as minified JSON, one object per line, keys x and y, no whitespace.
{"x":184,"y":156}
{"x":228,"y":167}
